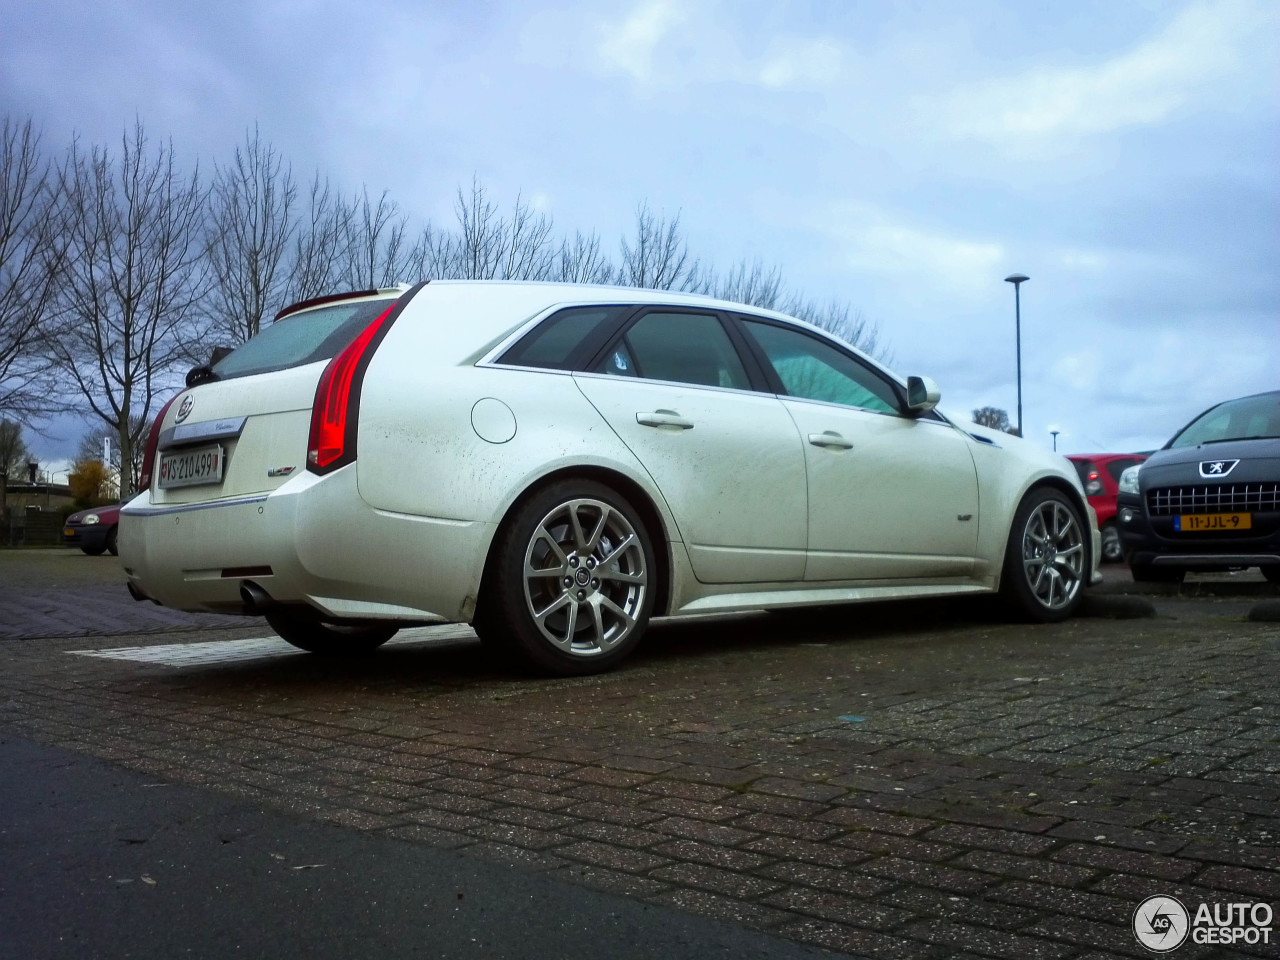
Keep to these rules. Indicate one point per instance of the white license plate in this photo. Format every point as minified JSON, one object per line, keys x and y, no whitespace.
{"x":195,"y":465}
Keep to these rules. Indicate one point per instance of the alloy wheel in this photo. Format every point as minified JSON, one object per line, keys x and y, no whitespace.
{"x":1053,"y":554}
{"x":585,"y":577}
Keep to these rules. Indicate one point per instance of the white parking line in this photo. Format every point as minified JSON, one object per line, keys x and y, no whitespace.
{"x":255,"y":648}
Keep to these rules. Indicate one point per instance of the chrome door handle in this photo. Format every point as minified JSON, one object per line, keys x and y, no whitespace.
{"x":831,"y":440}
{"x":664,"y":418}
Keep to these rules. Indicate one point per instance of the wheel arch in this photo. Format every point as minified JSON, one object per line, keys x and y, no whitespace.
{"x":626,"y":486}
{"x":1060,"y":485}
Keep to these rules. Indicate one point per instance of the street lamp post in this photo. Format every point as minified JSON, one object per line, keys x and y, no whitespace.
{"x":1055,"y":439}
{"x":1017,"y":279}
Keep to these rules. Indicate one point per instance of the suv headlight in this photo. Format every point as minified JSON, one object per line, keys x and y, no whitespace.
{"x":1129,"y":479}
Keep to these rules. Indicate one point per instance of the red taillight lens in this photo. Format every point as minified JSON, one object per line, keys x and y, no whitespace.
{"x":153,"y":438}
{"x":333,"y":416}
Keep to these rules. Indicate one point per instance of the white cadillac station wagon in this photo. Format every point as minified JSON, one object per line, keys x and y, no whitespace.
{"x":557,"y":464}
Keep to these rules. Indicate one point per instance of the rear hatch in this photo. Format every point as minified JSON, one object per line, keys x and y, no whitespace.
{"x":246,"y":430}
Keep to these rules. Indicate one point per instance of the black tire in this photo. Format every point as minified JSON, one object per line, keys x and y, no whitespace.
{"x":590,"y":623}
{"x":93,"y":551}
{"x":329,"y":639}
{"x":1145,"y":573}
{"x":1112,"y":551}
{"x":1272,"y":572}
{"x":1046,"y":564}
{"x":112,"y":547}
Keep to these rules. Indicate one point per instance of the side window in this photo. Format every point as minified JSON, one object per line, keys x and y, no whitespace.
{"x":814,"y":370}
{"x":551,"y":343}
{"x":619,"y":361}
{"x":680,"y":347}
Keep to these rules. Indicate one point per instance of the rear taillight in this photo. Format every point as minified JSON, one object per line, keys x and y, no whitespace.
{"x":153,"y":439}
{"x":335,"y":412}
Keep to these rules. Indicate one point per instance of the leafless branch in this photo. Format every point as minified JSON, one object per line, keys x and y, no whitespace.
{"x":31,"y":252}
{"x":132,"y":281}
{"x":251,"y":224}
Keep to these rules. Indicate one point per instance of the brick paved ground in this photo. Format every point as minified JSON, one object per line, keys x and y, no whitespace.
{"x":907,"y":781}
{"x":61,"y":592}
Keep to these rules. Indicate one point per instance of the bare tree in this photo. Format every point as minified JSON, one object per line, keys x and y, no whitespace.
{"x":750,"y":283}
{"x":374,"y":254}
{"x":657,"y":256}
{"x":488,"y":246}
{"x":528,"y":253}
{"x":320,"y":244}
{"x":30,"y":255}
{"x":131,"y":283}
{"x":480,"y":241}
{"x":582,"y":262}
{"x":251,"y":224}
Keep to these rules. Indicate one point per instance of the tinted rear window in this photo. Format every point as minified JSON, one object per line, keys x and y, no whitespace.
{"x":553,"y":342}
{"x":301,"y":338}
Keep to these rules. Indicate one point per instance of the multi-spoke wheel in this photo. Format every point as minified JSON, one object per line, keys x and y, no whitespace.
{"x":1112,"y":551}
{"x":570,"y":585}
{"x":1047,"y":560}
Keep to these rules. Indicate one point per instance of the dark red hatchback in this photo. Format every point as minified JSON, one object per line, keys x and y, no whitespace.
{"x":94,"y":530}
{"x":1100,"y":475}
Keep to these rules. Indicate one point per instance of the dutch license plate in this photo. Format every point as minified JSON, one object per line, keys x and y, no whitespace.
{"x":1212,"y":522}
{"x":188,"y":468}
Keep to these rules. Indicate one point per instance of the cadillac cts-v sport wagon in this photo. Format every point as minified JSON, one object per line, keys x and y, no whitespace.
{"x":557,"y":464}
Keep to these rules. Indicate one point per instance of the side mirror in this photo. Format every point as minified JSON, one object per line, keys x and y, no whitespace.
{"x":922,"y":395}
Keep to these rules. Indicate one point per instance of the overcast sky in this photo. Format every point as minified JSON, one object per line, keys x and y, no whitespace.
{"x":902,"y":156}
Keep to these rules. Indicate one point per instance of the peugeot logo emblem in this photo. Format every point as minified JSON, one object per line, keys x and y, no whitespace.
{"x":1210,"y":469}
{"x":184,"y":409}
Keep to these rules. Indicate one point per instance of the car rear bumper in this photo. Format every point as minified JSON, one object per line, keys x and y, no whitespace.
{"x":1145,"y":544}
{"x":314,"y":542}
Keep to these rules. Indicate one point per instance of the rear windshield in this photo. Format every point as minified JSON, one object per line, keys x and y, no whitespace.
{"x":300,"y":338}
{"x":1249,"y":418}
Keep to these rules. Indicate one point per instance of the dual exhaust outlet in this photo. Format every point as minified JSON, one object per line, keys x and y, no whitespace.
{"x":256,"y":600}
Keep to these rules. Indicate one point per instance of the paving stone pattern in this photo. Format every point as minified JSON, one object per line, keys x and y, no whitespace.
{"x":887,"y":782}
{"x":98,"y":611}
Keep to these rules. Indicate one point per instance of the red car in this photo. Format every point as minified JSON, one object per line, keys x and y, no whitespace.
{"x":1100,"y":474}
{"x":94,"y":530}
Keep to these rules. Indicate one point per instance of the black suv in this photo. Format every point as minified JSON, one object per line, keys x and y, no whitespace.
{"x":1210,"y":498}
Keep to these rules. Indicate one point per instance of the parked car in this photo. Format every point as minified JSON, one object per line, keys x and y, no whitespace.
{"x":1100,"y":474}
{"x":555,"y":464}
{"x":93,"y":531}
{"x":1210,"y":498}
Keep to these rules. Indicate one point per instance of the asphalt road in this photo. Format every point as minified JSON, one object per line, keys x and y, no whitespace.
{"x":98,"y":861}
